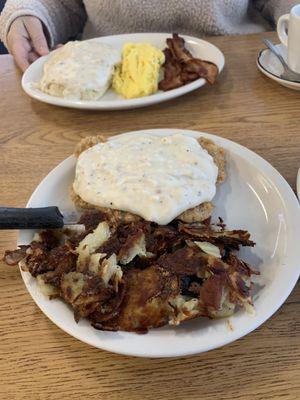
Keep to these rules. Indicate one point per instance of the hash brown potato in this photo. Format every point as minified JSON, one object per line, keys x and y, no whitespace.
{"x":139,"y":275}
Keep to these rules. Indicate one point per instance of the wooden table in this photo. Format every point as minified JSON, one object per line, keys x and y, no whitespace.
{"x":38,"y":360}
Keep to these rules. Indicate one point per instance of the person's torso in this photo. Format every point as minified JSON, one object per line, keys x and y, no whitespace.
{"x":196,"y":17}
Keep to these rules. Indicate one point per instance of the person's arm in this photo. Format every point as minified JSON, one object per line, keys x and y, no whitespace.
{"x":271,"y":10}
{"x":61,"y":19}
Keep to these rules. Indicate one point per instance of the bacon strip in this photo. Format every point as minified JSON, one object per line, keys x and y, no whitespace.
{"x":181,"y":67}
{"x":231,"y":239}
{"x":12,"y":257}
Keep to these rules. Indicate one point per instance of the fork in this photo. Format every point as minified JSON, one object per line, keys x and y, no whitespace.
{"x":288,"y":74}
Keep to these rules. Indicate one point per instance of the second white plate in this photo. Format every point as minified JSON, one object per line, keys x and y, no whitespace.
{"x":111,"y":100}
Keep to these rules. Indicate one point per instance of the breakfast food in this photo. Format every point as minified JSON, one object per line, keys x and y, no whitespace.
{"x":79,"y":70}
{"x":106,"y":173}
{"x":181,"y":67}
{"x":174,"y":174}
{"x":123,"y":272}
{"x":138,"y":73}
{"x":84,"y":70}
{"x":139,"y":275}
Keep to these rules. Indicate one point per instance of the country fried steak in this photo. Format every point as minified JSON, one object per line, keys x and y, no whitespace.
{"x":134,"y":275}
{"x":196,"y":214}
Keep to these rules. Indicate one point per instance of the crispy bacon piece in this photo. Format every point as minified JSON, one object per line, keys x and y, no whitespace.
{"x":180,"y":67}
{"x":124,"y":239}
{"x":91,"y":219}
{"x":211,"y":291}
{"x":13,"y":257}
{"x":172,"y":73}
{"x":162,"y":239}
{"x":201,"y":69}
{"x":58,"y":259}
{"x":185,"y":261}
{"x":176,"y":46}
{"x":231,"y":239}
{"x":240,"y":266}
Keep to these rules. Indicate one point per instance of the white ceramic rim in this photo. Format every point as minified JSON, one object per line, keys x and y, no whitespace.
{"x":282,"y":81}
{"x":295,"y":11}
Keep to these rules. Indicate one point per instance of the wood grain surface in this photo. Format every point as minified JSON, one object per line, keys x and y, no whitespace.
{"x":37,"y":359}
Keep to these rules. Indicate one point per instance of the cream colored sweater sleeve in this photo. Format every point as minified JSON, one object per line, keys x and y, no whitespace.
{"x":271,"y":10}
{"x":62,"y":19}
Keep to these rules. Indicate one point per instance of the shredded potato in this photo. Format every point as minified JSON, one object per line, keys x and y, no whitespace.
{"x":111,"y":270}
{"x":209,"y":248}
{"x":95,"y":239}
{"x":138,"y":249}
{"x":184,"y":309}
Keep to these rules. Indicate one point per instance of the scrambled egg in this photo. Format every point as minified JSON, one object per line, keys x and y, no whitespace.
{"x":138,"y":73}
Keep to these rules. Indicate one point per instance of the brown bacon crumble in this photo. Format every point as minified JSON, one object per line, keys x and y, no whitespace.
{"x":134,"y":276}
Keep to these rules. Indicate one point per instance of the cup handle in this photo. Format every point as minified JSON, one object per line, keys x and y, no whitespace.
{"x":282,"y":25}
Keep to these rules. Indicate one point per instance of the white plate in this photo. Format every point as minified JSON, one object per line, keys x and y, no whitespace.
{"x":111,"y":100}
{"x":298,"y":184}
{"x":270,"y":66}
{"x":254,"y":197}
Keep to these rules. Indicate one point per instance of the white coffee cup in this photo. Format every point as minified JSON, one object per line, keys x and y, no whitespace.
{"x":291,"y":23}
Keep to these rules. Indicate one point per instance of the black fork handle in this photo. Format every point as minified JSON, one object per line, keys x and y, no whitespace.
{"x":31,"y":218}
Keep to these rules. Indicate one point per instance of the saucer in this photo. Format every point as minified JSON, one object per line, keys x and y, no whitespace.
{"x":269,"y":65}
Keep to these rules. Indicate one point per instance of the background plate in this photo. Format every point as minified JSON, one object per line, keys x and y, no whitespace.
{"x":111,"y":100}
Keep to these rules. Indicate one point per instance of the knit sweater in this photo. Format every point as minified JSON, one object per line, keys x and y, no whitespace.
{"x":65,"y":19}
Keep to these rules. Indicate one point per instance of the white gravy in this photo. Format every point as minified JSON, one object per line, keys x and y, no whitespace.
{"x":154,"y":177}
{"x":80,"y":70}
